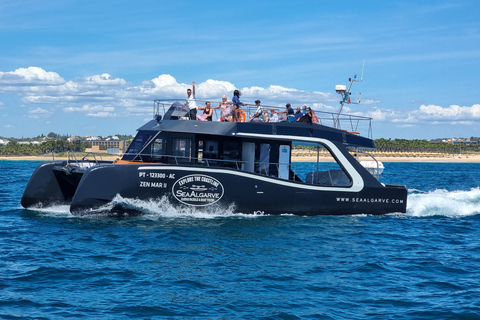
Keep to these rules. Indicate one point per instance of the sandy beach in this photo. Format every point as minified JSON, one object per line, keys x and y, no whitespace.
{"x":470,"y":158}
{"x":311,"y":157}
{"x":50,"y":158}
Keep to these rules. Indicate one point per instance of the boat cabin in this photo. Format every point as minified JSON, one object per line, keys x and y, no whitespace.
{"x":259,"y":148}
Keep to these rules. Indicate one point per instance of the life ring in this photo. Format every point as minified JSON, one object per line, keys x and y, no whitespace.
{"x":242,"y":116}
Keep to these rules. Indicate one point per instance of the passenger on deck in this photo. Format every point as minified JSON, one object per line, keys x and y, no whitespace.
{"x":237,"y":106}
{"x":225,"y":109}
{"x":258,"y":116}
{"x":207,"y":112}
{"x":307,"y":117}
{"x":191,"y":102}
{"x":273,"y":115}
{"x":298,"y":114}
{"x":266,"y":118}
{"x":304,"y":109}
{"x":289,"y":114}
{"x":314,"y":117}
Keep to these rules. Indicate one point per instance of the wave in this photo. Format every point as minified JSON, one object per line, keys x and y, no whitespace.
{"x":149,"y":209}
{"x":454,"y":204}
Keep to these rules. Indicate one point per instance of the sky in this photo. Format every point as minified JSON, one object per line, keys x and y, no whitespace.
{"x":95,"y":67}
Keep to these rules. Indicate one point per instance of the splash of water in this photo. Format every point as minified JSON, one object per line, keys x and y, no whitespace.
{"x":163,"y":208}
{"x":454,"y":204}
{"x":154,"y":209}
{"x":55,"y":210}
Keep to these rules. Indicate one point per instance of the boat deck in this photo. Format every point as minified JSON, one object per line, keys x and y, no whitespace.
{"x":354,"y":124}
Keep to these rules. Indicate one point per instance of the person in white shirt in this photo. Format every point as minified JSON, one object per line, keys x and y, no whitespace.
{"x":273,"y":115}
{"x":191,"y":102}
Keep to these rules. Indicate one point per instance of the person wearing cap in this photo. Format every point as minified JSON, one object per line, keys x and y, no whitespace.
{"x":258,"y":116}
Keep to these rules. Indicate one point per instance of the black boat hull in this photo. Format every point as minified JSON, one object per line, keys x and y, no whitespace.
{"x":49,"y":185}
{"x":249,"y":193}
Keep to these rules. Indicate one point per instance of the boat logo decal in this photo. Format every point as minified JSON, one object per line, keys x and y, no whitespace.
{"x":197,"y":190}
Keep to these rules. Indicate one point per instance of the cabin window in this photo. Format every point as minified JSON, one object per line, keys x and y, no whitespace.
{"x":157,"y":150}
{"x":210,"y":152}
{"x":264,"y":163}
{"x":158,"y":147}
{"x":324,"y":172}
{"x":138,"y":144}
{"x":182,"y":150}
{"x":231,"y":153}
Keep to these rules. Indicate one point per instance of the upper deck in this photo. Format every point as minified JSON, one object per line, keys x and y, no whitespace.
{"x":351,"y":130}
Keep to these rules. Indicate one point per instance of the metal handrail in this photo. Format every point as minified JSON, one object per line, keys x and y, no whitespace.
{"x":357,"y":152}
{"x":348,"y":122}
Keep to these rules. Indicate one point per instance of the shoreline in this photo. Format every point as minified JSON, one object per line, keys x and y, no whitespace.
{"x":309,"y":158}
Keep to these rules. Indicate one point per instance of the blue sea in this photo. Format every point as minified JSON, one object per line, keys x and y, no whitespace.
{"x":182,"y":264}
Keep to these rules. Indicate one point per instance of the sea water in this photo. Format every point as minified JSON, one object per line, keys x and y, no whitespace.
{"x":176,"y":263}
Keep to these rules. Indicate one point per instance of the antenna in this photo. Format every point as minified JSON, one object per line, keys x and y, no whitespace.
{"x":363,"y":66}
{"x":342,"y":90}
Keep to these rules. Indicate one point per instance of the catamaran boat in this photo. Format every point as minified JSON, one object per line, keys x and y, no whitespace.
{"x":244,"y":165}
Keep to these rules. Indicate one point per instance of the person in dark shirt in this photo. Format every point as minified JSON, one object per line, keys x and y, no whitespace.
{"x":307,"y":117}
{"x":237,"y":106}
{"x":298,"y":114}
{"x":207,"y":112}
{"x":289,"y":113}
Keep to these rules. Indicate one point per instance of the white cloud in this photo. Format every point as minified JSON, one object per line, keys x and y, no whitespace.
{"x":97,"y":111}
{"x":88,"y":108}
{"x":101,"y":114}
{"x":425,"y":115}
{"x":49,"y":88}
{"x":453,"y":112}
{"x":104,"y":95}
{"x":101,"y":80}
{"x":31,"y":76}
{"x":370,"y":101}
{"x":39,"y":113}
{"x":379,"y":114}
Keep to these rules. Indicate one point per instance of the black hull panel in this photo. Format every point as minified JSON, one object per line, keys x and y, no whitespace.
{"x":250,"y":193}
{"x":53,"y":183}
{"x":44,"y":187}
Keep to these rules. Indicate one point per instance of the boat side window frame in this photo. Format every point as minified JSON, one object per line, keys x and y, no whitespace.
{"x":139,"y":144}
{"x":189,"y":153}
{"x":329,"y":174}
{"x":226,"y":152}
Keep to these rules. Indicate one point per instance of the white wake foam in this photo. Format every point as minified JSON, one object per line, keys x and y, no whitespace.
{"x":162,"y":208}
{"x":61,"y":211}
{"x":453,"y":204}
